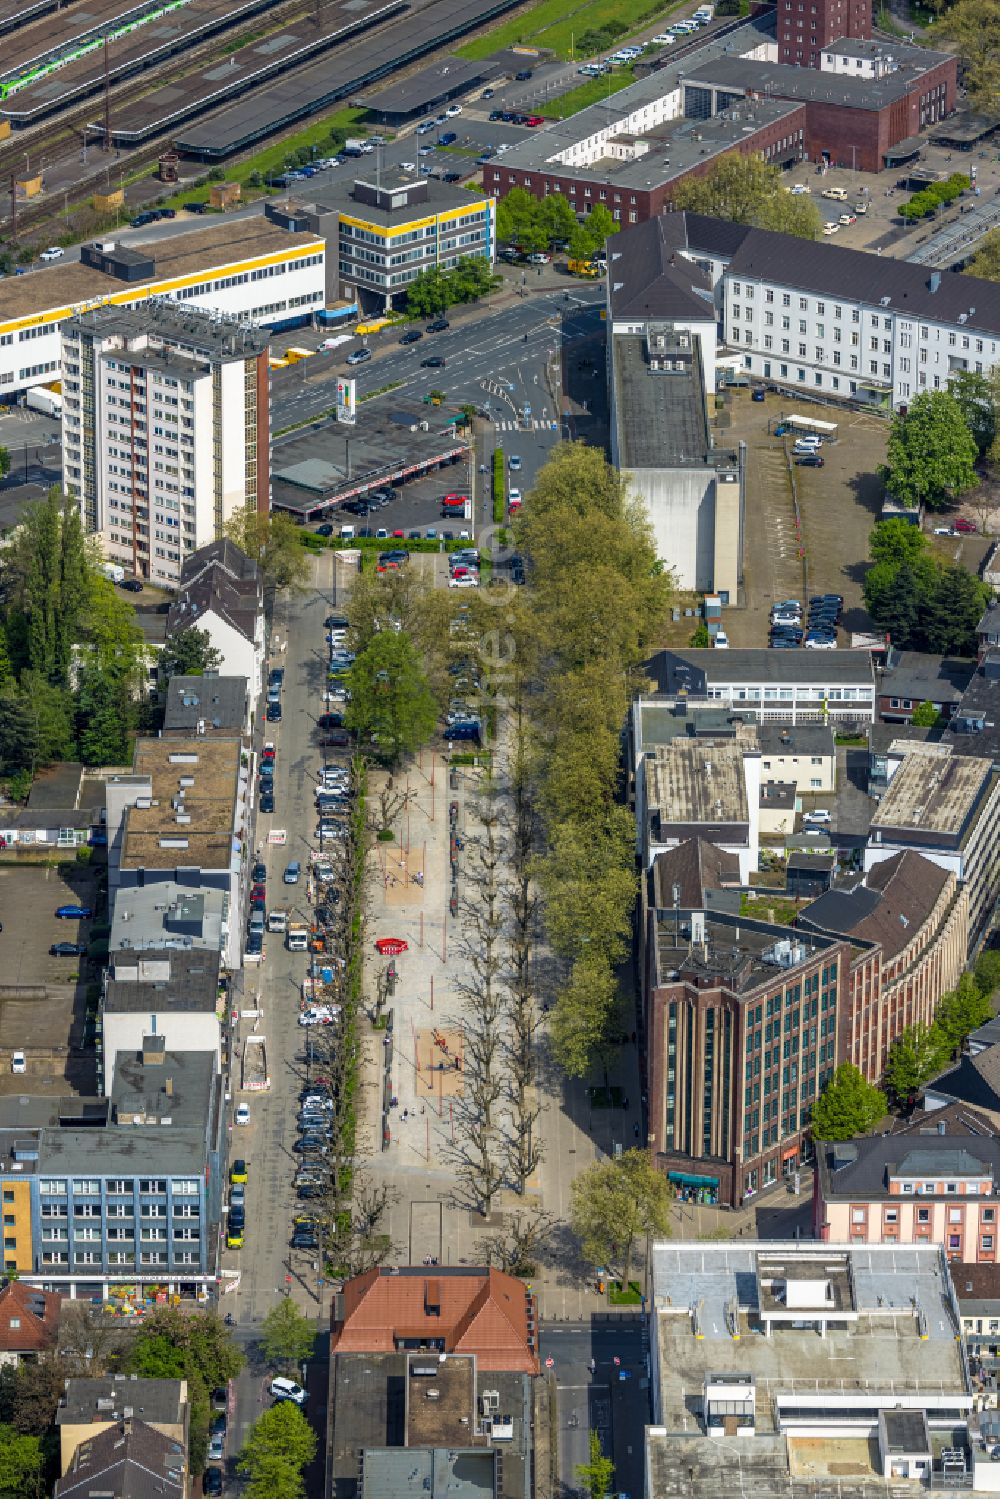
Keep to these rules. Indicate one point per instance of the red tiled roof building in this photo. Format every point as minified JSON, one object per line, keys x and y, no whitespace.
{"x":449,"y":1309}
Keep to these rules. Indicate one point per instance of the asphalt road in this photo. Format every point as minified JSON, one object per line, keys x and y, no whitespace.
{"x":613,"y":1400}
{"x":495,"y":343}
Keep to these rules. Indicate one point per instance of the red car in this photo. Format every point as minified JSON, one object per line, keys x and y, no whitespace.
{"x":961,"y":524}
{"x":399,"y":534}
{"x":535,"y":120}
{"x":267,"y":755}
{"x":258,"y":893}
{"x":454,"y":501}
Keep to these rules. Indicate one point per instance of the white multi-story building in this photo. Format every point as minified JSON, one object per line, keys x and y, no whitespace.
{"x":256,"y":272}
{"x":166,"y":430}
{"x":843,"y":323}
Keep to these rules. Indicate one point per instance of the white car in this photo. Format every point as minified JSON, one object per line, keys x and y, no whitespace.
{"x":407,"y":166}
{"x":538,"y":258}
{"x":466,"y":581}
{"x":819,"y":645}
{"x":945,"y":531}
{"x":798,"y":189}
{"x":318,"y":1015}
{"x":514,"y":498}
{"x":452,"y":111}
{"x":18,"y":1063}
{"x":830,"y":227}
{"x":820,"y":818}
{"x":52,"y":253}
{"x":664,"y":39}
{"x":243,"y":1114}
{"x":721,"y":641}
{"x":287,"y":1389}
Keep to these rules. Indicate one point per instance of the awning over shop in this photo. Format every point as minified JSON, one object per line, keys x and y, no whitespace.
{"x":684,"y":1180}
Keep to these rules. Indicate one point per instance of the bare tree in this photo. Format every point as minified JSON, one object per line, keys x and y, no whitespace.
{"x":392,"y":802}
{"x":515,"y":1247}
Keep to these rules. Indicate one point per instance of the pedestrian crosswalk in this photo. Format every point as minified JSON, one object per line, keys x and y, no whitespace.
{"x":533,"y":425}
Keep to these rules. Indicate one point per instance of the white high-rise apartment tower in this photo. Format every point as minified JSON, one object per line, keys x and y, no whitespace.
{"x":166,"y":429}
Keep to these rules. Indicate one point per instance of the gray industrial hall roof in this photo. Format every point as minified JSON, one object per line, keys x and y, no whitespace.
{"x":537,"y":151}
{"x":190,"y":981}
{"x":215,"y":702}
{"x":693,"y":669}
{"x":336,"y":195}
{"x":310,"y":470}
{"x":437,"y":1472}
{"x":916,"y":675}
{"x":156,"y":1401}
{"x":338,"y":75}
{"x":810,"y":85}
{"x":660,"y":414}
{"x":428,"y":86}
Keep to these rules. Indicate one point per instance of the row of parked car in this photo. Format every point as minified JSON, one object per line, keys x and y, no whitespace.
{"x":820,"y":632}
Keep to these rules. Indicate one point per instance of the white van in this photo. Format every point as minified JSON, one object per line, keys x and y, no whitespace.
{"x":347,"y":533}
{"x":838,"y":194}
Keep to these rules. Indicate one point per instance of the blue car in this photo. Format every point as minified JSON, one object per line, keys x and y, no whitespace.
{"x":74,"y":913}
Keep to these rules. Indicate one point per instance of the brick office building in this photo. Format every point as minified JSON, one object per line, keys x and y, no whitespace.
{"x":806,"y":27}
{"x":741,"y":1023}
{"x":862,"y":103}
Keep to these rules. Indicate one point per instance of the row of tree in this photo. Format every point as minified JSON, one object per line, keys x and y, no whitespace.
{"x":851,"y":1106}
{"x":536,"y":224}
{"x":596,"y":600}
{"x":931,"y":198}
{"x":923,"y":603}
{"x":435,"y":290}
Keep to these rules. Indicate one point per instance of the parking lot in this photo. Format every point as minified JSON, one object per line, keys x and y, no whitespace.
{"x":47,"y":1031}
{"x":838,"y":505}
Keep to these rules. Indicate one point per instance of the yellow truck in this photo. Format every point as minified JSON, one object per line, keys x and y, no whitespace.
{"x":582,"y":268}
{"x":294,"y":355}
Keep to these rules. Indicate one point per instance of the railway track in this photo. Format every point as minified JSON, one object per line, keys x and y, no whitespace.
{"x":54,"y":143}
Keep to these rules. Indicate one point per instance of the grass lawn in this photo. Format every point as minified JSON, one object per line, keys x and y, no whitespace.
{"x":547,"y":24}
{"x":593,"y":91}
{"x":272,"y":158}
{"x":619,"y":1296}
{"x":785,"y":911}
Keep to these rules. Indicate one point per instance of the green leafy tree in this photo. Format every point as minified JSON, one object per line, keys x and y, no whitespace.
{"x":189,"y":653}
{"x":105,"y":720}
{"x":597,"y":1474}
{"x":287,"y":1336}
{"x":949,"y":615}
{"x":427,"y":293}
{"x":557,"y":216}
{"x":519,"y":221}
{"x":974,"y":27}
{"x":392,"y":708}
{"x":977,"y":399}
{"x":18,"y":733}
{"x":615,"y":1202}
{"x":925,"y":716}
{"x":4,"y":457}
{"x":985,"y":263}
{"x":47,"y":576}
{"x":915,"y":1056}
{"x":279,"y":1447}
{"x":53,"y":710}
{"x":896,"y":541}
{"x":583,"y":1008}
{"x":272,"y":540}
{"x":746,"y":190}
{"x":199,"y":1348}
{"x":6,"y":671}
{"x":22,"y":1463}
{"x":931,"y":454}
{"x":963,"y":1010}
{"x":987,"y":971}
{"x":848,"y":1106}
